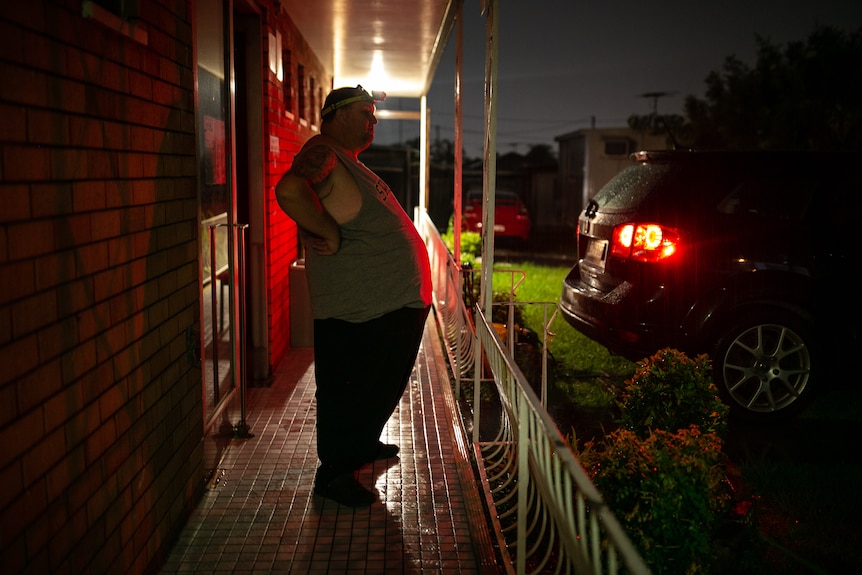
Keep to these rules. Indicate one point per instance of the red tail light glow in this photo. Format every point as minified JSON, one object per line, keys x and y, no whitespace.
{"x":644,"y":242}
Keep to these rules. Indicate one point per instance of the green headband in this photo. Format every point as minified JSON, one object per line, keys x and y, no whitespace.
{"x":363,"y":96}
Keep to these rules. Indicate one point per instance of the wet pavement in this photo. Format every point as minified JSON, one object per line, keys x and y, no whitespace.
{"x":259,"y":514}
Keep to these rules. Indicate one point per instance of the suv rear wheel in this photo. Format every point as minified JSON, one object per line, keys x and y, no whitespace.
{"x":762,"y":366}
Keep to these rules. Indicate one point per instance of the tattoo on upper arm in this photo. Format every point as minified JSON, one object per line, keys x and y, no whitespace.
{"x":314,"y":164}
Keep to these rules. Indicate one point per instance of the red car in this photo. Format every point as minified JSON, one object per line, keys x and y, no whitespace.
{"x":511,"y":219}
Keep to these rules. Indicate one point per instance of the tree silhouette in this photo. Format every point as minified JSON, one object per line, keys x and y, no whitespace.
{"x":807,"y":96}
{"x":541,"y":155}
{"x":442,"y":152}
{"x":655,"y":124}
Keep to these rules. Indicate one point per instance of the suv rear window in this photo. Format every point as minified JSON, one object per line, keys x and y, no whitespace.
{"x":775,"y":198}
{"x":631,"y":186}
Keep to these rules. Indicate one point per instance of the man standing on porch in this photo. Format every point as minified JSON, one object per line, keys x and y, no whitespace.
{"x":370,"y":284}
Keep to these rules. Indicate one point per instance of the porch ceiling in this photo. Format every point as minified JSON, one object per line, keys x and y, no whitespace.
{"x":389,"y":45}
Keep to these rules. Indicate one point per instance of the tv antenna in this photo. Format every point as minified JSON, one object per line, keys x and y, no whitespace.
{"x":655,"y":96}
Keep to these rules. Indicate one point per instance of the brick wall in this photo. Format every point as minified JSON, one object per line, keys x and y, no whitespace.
{"x":101,"y":414}
{"x":100,"y":399}
{"x":284,"y":120}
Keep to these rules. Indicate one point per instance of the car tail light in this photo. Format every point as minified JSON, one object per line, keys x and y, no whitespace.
{"x":644,"y":242}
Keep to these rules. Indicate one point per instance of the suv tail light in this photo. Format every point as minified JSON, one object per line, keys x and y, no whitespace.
{"x":644,"y":242}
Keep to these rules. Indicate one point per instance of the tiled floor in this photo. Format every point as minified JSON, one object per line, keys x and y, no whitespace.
{"x":259,"y":515}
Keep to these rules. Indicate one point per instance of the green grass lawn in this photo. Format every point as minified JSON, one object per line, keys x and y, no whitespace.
{"x":583,"y":368}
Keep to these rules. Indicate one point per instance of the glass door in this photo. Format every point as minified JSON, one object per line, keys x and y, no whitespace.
{"x":220,"y":235}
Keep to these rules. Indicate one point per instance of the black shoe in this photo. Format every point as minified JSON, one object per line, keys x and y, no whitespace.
{"x":386,"y":451}
{"x":344,"y":489}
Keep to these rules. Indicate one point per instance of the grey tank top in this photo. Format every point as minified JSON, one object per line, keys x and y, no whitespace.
{"x":382,"y":264}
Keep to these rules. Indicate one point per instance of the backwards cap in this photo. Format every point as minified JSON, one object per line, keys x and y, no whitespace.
{"x":341,"y":97}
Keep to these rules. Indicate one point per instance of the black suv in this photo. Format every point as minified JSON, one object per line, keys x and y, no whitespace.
{"x":745,"y":256}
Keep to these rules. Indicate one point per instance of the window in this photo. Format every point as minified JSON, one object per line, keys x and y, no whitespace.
{"x":300,"y":81}
{"x":313,"y":108}
{"x":619,"y":146}
{"x":121,"y":8}
{"x":773,"y":197}
{"x":118,"y":15}
{"x":287,"y":82}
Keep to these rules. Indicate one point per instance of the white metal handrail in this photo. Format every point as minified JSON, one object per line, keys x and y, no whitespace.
{"x":561,"y":519}
{"x":448,"y":281}
{"x":452,"y":313}
{"x":547,"y":514}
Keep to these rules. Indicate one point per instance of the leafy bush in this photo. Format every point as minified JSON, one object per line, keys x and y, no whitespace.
{"x":670,"y":391}
{"x":662,"y":471}
{"x":471,"y":244}
{"x":668,"y":491}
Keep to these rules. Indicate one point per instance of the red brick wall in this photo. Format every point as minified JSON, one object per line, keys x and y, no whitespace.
{"x":285,"y":123}
{"x":100,"y":399}
{"x":101,"y":414}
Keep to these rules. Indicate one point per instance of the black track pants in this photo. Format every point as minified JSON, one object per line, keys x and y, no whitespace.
{"x":361,"y":370}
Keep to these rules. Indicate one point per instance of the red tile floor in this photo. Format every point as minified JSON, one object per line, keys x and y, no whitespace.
{"x":260,"y":516}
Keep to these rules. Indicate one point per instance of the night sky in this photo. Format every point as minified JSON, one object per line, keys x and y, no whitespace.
{"x":564,"y":62}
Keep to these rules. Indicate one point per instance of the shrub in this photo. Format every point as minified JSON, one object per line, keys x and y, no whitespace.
{"x":668,"y":491}
{"x":662,"y":471}
{"x":670,"y":391}
{"x":471,"y":244}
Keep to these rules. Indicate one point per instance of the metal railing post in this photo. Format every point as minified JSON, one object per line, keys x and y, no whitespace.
{"x":241,"y":430}
{"x":477,"y":383}
{"x":214,"y":309}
